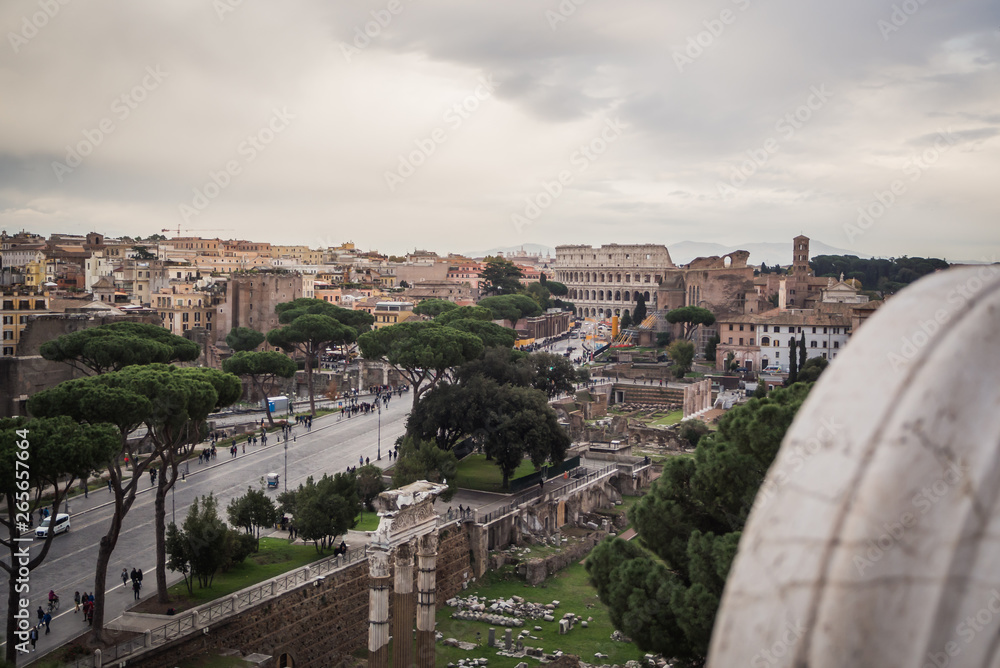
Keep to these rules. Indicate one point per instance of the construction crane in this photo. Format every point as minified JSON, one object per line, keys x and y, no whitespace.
{"x":188,"y":229}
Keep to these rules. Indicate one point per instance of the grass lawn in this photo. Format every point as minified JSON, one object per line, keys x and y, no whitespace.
{"x":276,"y":556}
{"x":571,"y":588}
{"x":368,"y":521}
{"x":475,"y":472}
{"x":670,"y":418}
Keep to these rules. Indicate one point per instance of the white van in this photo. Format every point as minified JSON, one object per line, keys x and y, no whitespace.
{"x":61,"y":526}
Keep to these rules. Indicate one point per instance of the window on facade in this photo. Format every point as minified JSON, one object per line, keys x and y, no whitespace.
{"x":812,"y":344}
{"x":777,"y":329}
{"x":824,"y":330}
{"x":730,"y":340}
{"x":836,"y":344}
{"x":741,"y":340}
{"x":741,"y":328}
{"x":751,"y":342}
{"x":8,"y":350}
{"x":197,"y":317}
{"x":730,"y":327}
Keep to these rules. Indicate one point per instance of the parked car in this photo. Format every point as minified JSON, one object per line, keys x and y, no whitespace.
{"x":772,"y":369}
{"x":61,"y":526}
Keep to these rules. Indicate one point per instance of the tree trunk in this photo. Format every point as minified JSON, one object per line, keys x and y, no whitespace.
{"x":124,"y":497}
{"x":107,"y":546}
{"x":160,"y":527}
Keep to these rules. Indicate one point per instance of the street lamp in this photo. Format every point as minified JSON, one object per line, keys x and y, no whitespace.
{"x":379,"y":404}
{"x":286,"y":463}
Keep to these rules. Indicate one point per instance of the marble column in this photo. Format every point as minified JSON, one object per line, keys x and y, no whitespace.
{"x":426,"y":588}
{"x":403,"y":605}
{"x":378,"y":609}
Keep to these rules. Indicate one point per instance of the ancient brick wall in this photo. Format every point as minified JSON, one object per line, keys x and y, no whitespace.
{"x":317,"y":626}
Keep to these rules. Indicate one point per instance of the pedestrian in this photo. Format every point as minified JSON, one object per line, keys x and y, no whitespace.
{"x":33,"y":637}
{"x":140,"y":576}
{"x":133,"y":575}
{"x":124,"y":578}
{"x":367,"y":461}
{"x":135,"y":589}
{"x":46,"y":619}
{"x":110,"y":488}
{"x":245,"y":446}
{"x":76,"y":601}
{"x":361,"y":460}
{"x":40,"y":613}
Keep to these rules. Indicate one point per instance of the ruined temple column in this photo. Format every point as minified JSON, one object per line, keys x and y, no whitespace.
{"x":378,"y":609}
{"x":403,"y":605}
{"x":426,"y":588}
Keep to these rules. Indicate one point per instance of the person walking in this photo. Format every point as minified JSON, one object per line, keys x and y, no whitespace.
{"x":33,"y":637}
{"x":76,"y":601}
{"x":124,"y":578}
{"x":110,"y":488}
{"x":46,"y":619}
{"x":133,"y":576}
{"x":135,"y":589}
{"x":140,"y":576}
{"x":41,"y":614}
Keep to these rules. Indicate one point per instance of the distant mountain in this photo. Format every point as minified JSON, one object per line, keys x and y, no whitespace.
{"x":770,"y":253}
{"x":533,"y":249}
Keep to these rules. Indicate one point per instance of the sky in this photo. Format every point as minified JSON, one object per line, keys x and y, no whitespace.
{"x":464,"y":125}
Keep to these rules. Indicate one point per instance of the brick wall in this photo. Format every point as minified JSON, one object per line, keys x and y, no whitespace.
{"x":317,"y":626}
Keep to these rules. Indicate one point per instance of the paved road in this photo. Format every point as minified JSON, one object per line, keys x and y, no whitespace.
{"x":330,"y":446}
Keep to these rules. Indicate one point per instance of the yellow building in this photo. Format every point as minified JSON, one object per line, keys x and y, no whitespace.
{"x":392,"y":313}
{"x":15,"y":308}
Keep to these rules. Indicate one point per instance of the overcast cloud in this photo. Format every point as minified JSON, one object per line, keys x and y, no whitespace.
{"x":461,"y":125}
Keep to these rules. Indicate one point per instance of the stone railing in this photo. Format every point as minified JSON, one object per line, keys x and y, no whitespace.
{"x":190,"y":621}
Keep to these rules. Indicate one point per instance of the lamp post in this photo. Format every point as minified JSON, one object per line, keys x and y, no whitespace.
{"x":173,"y":505}
{"x":286,"y":463}
{"x":379,"y":404}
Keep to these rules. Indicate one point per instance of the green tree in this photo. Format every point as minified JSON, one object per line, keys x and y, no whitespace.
{"x":523,"y":424}
{"x":540,"y":293}
{"x":309,"y":334}
{"x":639,"y":312}
{"x":812,"y":369}
{"x":711,"y":346}
{"x":262,"y":369}
{"x":244,"y":339}
{"x":434,"y":307}
{"x":803,"y":355}
{"x":491,"y":334}
{"x":178,"y":555}
{"x":422,"y":352}
{"x":663,"y":339}
{"x":36,"y":455}
{"x":625,"y":322}
{"x":682,"y":355}
{"x":424,"y":460}
{"x":252,"y":512}
{"x":142,"y":253}
{"x":500,"y":276}
{"x":95,"y":400}
{"x":206,"y":536}
{"x":793,"y":367}
{"x":691,"y":521}
{"x":324,"y":509}
{"x":556,"y":288}
{"x":112,"y":347}
{"x":464,"y":313}
{"x":554,"y":374}
{"x":691,"y":317}
{"x":370,"y":484}
{"x":511,"y":307}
